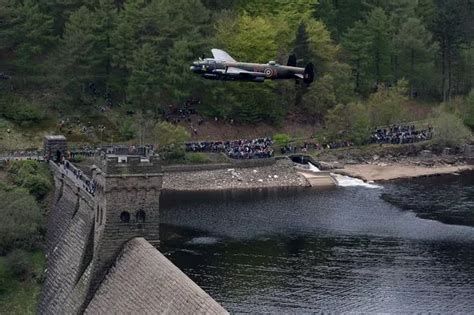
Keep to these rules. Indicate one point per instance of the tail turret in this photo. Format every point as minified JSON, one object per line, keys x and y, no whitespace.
{"x":308,"y":76}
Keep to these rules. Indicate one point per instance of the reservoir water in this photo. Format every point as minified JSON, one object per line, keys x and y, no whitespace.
{"x":407,"y":247}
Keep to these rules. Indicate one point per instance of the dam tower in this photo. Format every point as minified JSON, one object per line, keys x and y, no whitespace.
{"x":126,"y":206}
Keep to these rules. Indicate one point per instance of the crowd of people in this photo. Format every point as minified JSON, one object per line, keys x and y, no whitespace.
{"x":85,"y":151}
{"x":236,"y":149}
{"x":22,"y":153}
{"x":89,"y":185}
{"x":400,"y":134}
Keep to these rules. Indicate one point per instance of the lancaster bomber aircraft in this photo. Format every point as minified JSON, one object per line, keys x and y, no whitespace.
{"x":224,"y":67}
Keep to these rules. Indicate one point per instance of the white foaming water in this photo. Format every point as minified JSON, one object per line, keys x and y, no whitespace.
{"x":313,"y":167}
{"x":347,"y":181}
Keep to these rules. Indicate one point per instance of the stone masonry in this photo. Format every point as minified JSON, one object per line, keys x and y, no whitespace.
{"x":98,"y":243}
{"x":127,"y":206}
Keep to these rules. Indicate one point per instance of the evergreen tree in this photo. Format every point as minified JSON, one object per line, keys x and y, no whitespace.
{"x":340,"y":15}
{"x":415,"y":53}
{"x":379,"y":32}
{"x":450,"y":26}
{"x":85,"y":51}
{"x":143,"y":87}
{"x":301,"y":45}
{"x":26,"y":30}
{"x":357,"y":43}
{"x":177,"y":80}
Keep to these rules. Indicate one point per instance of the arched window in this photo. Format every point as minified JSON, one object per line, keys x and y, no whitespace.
{"x":97,"y":215}
{"x":140,"y":216}
{"x":125,"y":217}
{"x":100,"y":216}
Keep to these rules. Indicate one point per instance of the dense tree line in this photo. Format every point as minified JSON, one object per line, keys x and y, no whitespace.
{"x":137,"y":53}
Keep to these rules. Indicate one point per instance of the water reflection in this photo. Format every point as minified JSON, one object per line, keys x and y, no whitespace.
{"x":298,"y":251}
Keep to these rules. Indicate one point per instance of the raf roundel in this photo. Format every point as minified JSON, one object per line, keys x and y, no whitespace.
{"x":268,"y":72}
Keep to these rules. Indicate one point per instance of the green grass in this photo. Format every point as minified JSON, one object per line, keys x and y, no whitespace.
{"x":204,"y":158}
{"x":18,"y":296}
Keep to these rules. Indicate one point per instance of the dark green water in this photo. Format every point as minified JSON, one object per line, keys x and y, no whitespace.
{"x":340,"y":250}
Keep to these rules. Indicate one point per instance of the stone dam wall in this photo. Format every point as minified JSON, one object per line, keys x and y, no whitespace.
{"x":68,"y":246}
{"x":98,"y":261}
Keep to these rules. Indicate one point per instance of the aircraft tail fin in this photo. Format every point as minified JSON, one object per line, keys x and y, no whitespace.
{"x":308,"y":76}
{"x":291,"y":60}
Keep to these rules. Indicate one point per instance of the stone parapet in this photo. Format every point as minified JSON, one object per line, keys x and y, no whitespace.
{"x":122,"y":165}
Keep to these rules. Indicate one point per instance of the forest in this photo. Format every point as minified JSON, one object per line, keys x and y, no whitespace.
{"x":134,"y":55}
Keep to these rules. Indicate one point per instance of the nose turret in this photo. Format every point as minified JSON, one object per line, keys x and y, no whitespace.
{"x":197,"y":67}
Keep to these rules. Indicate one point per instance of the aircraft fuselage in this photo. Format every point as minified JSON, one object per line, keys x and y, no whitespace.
{"x":254,"y":72}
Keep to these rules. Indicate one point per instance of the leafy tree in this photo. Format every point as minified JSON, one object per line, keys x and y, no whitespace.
{"x":18,"y":110}
{"x":127,"y":130}
{"x":19,"y":263}
{"x":281,"y":139}
{"x":386,"y":105}
{"x":21,"y":220}
{"x":320,"y":96}
{"x":348,"y":122}
{"x":170,"y":140}
{"x":37,"y":185}
{"x":292,"y":11}
{"x":343,"y":84}
{"x":449,"y":131}
{"x":426,"y":11}
{"x":337,"y":122}
{"x":322,"y":47}
{"x":32,"y":176}
{"x":468,"y":110}
{"x":250,"y":38}
{"x":360,"y":123}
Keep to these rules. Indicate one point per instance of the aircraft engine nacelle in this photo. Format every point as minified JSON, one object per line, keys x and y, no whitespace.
{"x":210,"y":76}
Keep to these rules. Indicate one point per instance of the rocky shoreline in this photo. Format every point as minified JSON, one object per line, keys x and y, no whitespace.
{"x":405,"y":168}
{"x":285,"y":173}
{"x":281,"y":174}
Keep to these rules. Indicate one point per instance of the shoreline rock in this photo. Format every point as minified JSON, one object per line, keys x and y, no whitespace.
{"x":281,"y":174}
{"x":284,"y":173}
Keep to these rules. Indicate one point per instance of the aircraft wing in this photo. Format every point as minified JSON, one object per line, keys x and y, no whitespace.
{"x":219,"y":54}
{"x":233,"y":71}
